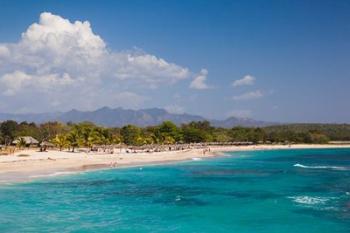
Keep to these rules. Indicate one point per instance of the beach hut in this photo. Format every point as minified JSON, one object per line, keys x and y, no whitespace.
{"x":47,"y":144}
{"x":30,"y":141}
{"x":44,"y":145}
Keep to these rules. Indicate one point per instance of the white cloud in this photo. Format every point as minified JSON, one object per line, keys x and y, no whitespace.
{"x":4,"y":51}
{"x":246,"y":80}
{"x":147,"y":68}
{"x":14,"y":82}
{"x":17,"y":80}
{"x":65,"y":62}
{"x":199,"y":81}
{"x":249,"y":95}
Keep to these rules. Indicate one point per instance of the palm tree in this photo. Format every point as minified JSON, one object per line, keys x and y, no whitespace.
{"x":73,"y":139}
{"x":60,"y":141}
{"x":94,"y":138}
{"x":21,"y":142}
{"x":168,"y":140}
{"x":116,"y":139}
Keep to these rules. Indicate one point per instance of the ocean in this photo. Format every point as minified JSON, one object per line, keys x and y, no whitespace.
{"x":282,"y":191}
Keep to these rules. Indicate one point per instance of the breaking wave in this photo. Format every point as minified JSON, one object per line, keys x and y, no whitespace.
{"x":307,"y":200}
{"x":53,"y":174}
{"x":338,"y":168}
{"x":196,"y":159}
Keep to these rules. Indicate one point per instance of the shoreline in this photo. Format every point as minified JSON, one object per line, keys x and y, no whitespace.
{"x":38,"y":165}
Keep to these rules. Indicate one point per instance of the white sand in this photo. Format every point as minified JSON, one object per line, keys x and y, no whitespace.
{"x":38,"y":164}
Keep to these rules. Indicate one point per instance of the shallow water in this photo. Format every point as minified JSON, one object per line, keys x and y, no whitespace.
{"x":258,"y":191}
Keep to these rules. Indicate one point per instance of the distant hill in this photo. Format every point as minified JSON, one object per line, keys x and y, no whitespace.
{"x":240,"y":121}
{"x":118,"y":117}
{"x":30,"y":117}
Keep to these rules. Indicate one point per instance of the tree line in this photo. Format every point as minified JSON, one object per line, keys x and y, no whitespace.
{"x":87,"y":134}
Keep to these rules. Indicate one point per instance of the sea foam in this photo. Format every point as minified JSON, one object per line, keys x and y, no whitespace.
{"x":53,"y":174}
{"x":308,"y":200}
{"x":322,"y":167}
{"x":196,"y":159}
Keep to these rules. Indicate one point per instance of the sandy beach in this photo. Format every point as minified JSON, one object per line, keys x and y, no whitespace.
{"x":17,"y":168}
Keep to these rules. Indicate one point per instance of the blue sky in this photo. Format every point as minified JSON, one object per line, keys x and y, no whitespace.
{"x":292,"y":57}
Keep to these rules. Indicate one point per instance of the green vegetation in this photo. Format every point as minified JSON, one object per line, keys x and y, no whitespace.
{"x":309,"y":133}
{"x":89,"y":135}
{"x":21,"y":143}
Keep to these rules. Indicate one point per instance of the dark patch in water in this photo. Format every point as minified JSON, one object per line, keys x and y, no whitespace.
{"x":258,"y":195}
{"x":231,"y":179}
{"x":239,"y":172}
{"x":83,"y":183}
{"x":151,"y":191}
{"x":238,"y":194}
{"x":320,"y":157}
{"x":226,"y":172}
{"x":339,"y":214}
{"x":181,"y":201}
{"x":335,"y":184}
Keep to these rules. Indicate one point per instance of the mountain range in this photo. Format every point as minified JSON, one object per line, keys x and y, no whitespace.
{"x":117,"y":117}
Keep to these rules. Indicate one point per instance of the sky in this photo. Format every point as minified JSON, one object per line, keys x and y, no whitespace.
{"x":281,"y":61}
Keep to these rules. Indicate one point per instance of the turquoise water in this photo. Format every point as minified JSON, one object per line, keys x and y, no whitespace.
{"x":263,"y":191}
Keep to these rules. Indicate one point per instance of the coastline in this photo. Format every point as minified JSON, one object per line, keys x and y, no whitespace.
{"x":14,"y":168}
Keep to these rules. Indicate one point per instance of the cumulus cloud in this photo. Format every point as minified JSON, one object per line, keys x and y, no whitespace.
{"x":18,"y":80}
{"x":14,"y":82}
{"x":199,"y":82}
{"x":4,"y":51}
{"x":249,"y":95}
{"x":246,"y":80}
{"x":61,"y":61}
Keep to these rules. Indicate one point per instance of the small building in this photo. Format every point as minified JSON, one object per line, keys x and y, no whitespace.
{"x":30,"y":141}
{"x":45,"y":144}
